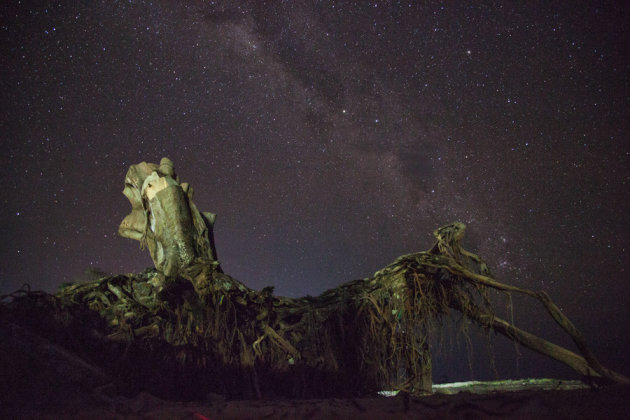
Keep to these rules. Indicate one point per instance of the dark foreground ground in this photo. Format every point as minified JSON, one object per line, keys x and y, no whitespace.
{"x":41,"y":380}
{"x":577,"y":404}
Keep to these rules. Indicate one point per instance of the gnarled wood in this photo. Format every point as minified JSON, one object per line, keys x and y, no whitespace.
{"x":202,"y":324}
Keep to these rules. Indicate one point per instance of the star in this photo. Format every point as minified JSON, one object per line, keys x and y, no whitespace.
{"x":352,"y":131}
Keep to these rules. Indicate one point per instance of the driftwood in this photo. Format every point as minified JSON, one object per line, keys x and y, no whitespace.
{"x":207,"y":332}
{"x":164,"y":218}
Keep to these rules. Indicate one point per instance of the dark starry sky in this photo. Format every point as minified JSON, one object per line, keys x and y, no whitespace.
{"x":329,"y":137}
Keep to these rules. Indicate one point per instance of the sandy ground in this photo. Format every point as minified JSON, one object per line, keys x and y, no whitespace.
{"x":608,"y":403}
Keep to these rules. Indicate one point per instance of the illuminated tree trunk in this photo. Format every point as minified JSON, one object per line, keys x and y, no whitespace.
{"x":165,"y":219}
{"x":367,"y":334}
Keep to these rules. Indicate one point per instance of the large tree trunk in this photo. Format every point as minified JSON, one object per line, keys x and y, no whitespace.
{"x":391,"y":315}
{"x":361,"y":337}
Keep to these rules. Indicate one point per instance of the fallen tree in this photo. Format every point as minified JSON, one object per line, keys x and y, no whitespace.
{"x":187,"y":327}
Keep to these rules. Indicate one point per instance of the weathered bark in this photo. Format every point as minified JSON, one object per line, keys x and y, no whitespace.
{"x":164,"y":218}
{"x":399,"y":303}
{"x":363,"y":336}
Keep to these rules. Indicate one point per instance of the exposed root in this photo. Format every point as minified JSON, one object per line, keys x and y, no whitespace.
{"x":358,"y":338}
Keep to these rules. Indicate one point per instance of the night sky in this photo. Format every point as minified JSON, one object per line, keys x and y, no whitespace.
{"x":330,"y":137}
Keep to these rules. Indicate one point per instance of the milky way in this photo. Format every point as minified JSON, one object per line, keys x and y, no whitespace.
{"x":329,"y":137}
